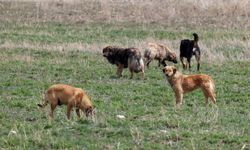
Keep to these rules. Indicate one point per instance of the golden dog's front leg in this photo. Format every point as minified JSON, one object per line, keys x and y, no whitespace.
{"x":179,"y":97}
{"x":69,"y":109}
{"x":78,"y":112}
{"x":52,"y":108}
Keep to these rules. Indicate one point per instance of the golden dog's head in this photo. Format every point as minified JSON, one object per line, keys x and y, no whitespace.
{"x":89,"y":111}
{"x":85,"y":104}
{"x":169,"y":71}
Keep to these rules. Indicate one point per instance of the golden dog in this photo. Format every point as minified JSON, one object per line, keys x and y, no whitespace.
{"x":61,"y":94}
{"x":182,"y":84}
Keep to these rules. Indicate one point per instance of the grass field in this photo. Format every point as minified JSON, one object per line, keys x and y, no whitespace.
{"x":60,"y":41}
{"x":35,"y":56}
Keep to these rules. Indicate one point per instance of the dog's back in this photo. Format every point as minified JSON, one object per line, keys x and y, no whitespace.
{"x":118,"y":55}
{"x":61,"y":93}
{"x":186,"y":48}
{"x":157,"y":51}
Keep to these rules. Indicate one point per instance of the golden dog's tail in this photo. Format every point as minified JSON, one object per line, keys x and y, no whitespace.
{"x":212,"y":87}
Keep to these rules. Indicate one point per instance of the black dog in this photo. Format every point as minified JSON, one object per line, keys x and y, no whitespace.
{"x":188,"y":48}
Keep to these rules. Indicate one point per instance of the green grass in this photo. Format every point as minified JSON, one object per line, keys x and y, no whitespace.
{"x":148,"y":105}
{"x":95,"y":33}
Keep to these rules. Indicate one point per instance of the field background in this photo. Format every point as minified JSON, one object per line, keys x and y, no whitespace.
{"x":47,"y":42}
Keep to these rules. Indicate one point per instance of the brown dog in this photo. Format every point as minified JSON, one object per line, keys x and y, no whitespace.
{"x":160,"y":53}
{"x":182,"y":84}
{"x":125,"y":58}
{"x":60,"y":94}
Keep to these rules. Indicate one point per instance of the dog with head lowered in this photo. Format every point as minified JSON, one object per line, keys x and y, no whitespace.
{"x":61,"y":94}
{"x":125,"y":58}
{"x":182,"y":84}
{"x":159,"y":52}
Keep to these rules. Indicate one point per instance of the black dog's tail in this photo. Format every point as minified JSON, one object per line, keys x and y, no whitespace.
{"x":196,"y":37}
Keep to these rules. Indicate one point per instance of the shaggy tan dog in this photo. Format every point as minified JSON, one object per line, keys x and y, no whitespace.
{"x":182,"y":84}
{"x":125,"y":58}
{"x":160,"y":53}
{"x":61,"y":94}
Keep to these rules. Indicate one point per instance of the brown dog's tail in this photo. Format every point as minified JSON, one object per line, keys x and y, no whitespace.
{"x":196,"y":37}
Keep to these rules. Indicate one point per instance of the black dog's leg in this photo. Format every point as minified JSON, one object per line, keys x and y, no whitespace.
{"x":197,"y":57}
{"x":189,"y":63}
{"x":181,"y":59}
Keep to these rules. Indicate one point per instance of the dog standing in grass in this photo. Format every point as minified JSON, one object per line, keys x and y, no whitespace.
{"x":125,"y":58}
{"x":61,"y":94}
{"x":182,"y":84}
{"x":188,"y":48}
{"x":160,"y":53}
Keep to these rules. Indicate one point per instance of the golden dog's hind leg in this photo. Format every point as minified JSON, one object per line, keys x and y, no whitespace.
{"x":69,"y":109}
{"x":206,"y":98}
{"x":209,"y":93}
{"x":212,"y":97}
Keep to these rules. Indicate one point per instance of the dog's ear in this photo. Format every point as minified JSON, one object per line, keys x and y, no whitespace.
{"x":79,"y":96}
{"x":174,"y":70}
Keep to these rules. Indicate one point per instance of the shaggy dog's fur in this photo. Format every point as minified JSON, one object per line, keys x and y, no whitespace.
{"x":125,"y":58}
{"x":182,"y":84}
{"x":188,"y":48}
{"x":160,"y":53}
{"x":61,"y":94}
